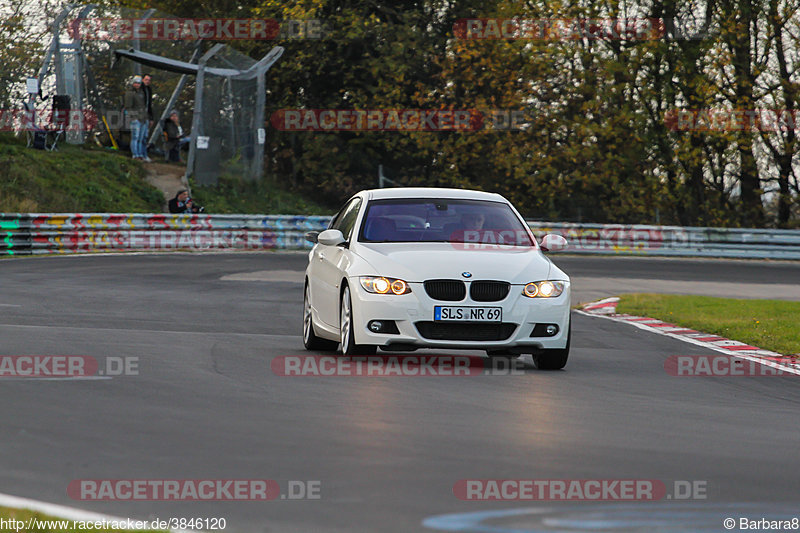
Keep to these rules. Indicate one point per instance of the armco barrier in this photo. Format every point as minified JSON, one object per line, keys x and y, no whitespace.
{"x":743,"y":243}
{"x":35,"y":233}
{"x":54,"y":233}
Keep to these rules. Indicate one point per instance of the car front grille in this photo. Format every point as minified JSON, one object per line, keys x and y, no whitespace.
{"x":448,"y":290}
{"x":449,"y":331}
{"x":489,"y":291}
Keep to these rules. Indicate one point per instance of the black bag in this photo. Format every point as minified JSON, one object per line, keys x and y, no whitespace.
{"x":61,"y":110}
{"x":40,"y":139}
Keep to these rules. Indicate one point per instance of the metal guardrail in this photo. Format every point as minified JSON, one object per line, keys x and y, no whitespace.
{"x":52,"y":233}
{"x":745,"y":243}
{"x":58,"y":233}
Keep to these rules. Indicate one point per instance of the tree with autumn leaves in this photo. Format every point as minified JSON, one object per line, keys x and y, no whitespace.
{"x":597,"y":141}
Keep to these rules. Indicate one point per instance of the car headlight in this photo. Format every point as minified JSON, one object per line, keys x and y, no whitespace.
{"x":543,"y":289}
{"x":381,"y":285}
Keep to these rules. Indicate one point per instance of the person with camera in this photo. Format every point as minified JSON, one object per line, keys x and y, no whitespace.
{"x":183,"y":203}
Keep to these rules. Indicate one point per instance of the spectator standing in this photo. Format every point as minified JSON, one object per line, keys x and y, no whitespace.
{"x":148,"y":99}
{"x":136,"y":116}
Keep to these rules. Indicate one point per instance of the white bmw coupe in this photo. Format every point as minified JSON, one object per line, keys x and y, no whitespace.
{"x":410,"y":268}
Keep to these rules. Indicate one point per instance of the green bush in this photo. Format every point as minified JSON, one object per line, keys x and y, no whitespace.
{"x":232,"y":195}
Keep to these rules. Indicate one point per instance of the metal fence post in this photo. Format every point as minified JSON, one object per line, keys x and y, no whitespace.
{"x":197,"y":117}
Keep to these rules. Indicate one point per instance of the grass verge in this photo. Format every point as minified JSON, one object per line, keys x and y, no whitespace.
{"x":71,"y":180}
{"x":768,"y":324}
{"x":86,"y":179}
{"x":42,"y":523}
{"x":231,"y":195}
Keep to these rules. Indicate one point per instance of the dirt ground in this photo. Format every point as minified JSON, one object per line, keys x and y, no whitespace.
{"x":167,"y":178}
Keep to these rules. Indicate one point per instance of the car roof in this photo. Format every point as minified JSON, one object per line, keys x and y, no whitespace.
{"x":431,"y":192}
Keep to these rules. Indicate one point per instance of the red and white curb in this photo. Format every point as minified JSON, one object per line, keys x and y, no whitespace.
{"x":607,"y":308}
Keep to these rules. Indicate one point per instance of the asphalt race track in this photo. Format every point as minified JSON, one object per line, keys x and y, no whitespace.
{"x":386,"y":451}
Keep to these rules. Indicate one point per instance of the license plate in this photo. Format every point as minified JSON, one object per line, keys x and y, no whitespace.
{"x":442,"y":313}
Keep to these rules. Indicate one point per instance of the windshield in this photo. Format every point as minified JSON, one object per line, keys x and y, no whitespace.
{"x":446,"y":220}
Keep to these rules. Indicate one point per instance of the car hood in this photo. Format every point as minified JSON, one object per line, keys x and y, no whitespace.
{"x":417,"y":262}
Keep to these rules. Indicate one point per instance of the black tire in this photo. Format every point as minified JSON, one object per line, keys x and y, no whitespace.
{"x":310,"y":339}
{"x":348,"y":339}
{"x":554,"y":359}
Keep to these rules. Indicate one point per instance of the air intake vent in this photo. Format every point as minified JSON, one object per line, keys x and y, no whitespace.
{"x":448,"y":290}
{"x":489,"y":291}
{"x":454,"y":331}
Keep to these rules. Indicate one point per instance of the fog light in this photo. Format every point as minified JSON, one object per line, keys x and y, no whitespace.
{"x":383,"y":326}
{"x":545,"y":330}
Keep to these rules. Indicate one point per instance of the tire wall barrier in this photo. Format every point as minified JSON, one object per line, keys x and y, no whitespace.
{"x":58,"y":233}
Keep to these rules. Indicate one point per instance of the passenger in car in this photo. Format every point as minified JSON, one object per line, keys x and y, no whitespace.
{"x":472,"y":221}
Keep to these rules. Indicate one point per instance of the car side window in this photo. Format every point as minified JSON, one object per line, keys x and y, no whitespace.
{"x":346,"y":219}
{"x":334,"y":223}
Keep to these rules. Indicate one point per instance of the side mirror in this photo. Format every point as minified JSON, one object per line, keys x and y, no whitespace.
{"x":311,"y":236}
{"x":330,"y":237}
{"x":553,"y":243}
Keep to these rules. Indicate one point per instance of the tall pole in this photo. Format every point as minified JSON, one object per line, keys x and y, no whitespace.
{"x":137,"y":68}
{"x":197,"y":118}
{"x":173,"y":98}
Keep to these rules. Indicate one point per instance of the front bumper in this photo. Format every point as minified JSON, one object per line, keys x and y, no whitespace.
{"x":413,"y":315}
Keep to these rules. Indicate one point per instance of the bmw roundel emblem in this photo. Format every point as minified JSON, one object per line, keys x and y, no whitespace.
{"x":467,"y":274}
